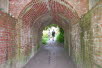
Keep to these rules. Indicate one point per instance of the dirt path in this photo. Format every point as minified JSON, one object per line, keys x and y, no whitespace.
{"x":51,"y":56}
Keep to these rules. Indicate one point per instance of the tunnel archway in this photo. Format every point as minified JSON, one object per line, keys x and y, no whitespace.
{"x":76,"y":27}
{"x":39,"y":25}
{"x":38,"y":15}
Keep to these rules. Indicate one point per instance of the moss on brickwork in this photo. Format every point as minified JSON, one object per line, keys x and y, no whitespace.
{"x":86,"y":40}
{"x":8,"y":33}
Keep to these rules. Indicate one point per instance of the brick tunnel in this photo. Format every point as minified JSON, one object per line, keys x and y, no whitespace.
{"x":22,"y":23}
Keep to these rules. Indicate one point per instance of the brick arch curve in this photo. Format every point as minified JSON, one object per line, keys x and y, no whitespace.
{"x":34,"y":10}
{"x":60,"y":13}
{"x":49,"y":6}
{"x":35,"y":2}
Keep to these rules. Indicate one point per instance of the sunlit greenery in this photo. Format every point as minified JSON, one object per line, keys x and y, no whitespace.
{"x":60,"y":36}
{"x":45,"y":38}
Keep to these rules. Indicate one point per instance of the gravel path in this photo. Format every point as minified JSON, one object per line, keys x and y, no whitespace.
{"x":51,"y":56}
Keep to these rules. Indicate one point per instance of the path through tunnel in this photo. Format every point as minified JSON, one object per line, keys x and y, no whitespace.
{"x":54,"y":51}
{"x":21,"y":36}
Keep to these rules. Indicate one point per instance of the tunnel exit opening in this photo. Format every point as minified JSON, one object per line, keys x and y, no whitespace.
{"x":52,"y":33}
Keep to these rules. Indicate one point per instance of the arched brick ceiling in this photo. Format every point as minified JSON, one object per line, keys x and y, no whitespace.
{"x":80,"y":6}
{"x":56,"y":10}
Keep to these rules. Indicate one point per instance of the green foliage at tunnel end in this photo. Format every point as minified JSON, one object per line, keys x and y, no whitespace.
{"x":45,"y":38}
{"x":60,"y":36}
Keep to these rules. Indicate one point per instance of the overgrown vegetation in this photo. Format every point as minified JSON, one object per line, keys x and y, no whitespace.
{"x":60,"y":36}
{"x":45,"y":38}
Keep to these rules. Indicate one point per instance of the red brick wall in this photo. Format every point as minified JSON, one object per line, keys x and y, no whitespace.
{"x":7,"y":37}
{"x":87,"y":39}
{"x":16,"y":6}
{"x":97,"y":33}
{"x":81,"y":7}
